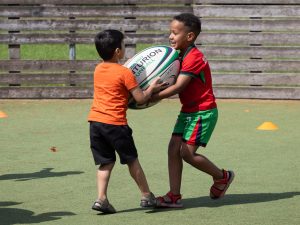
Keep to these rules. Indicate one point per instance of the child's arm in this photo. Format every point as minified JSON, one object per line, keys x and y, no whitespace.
{"x":181,"y":82}
{"x":141,"y":96}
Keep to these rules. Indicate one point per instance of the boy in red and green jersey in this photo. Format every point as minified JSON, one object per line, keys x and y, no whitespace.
{"x":198,"y":115}
{"x":198,"y":94}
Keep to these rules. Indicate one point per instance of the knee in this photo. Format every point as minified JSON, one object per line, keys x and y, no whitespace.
{"x":186,"y":155}
{"x":108,"y":166}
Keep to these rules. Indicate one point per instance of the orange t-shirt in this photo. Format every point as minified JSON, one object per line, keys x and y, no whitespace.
{"x":112,"y":83}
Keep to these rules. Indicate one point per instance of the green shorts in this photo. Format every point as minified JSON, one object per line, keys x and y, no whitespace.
{"x":196,"y":128}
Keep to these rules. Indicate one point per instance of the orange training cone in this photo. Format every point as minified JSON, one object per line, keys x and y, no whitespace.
{"x":3,"y":115}
{"x":267,"y":126}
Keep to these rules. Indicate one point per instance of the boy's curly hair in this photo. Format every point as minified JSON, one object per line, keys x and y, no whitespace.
{"x":191,"y":21}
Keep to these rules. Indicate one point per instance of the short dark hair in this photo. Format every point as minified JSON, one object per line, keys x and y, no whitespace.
{"x":107,"y":42}
{"x":191,"y":21}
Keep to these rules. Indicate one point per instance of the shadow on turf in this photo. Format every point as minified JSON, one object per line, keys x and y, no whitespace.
{"x":230,"y":199}
{"x":9,"y":216}
{"x":44,"y":173}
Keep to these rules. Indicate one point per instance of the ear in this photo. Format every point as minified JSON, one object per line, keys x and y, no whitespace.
{"x":117,"y":51}
{"x":191,"y":36}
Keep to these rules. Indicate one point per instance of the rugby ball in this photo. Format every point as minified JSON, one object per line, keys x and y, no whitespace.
{"x":153,"y":62}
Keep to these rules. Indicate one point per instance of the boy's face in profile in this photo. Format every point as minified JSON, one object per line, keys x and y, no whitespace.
{"x":179,"y":36}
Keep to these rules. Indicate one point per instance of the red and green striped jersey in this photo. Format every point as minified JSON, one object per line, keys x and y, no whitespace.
{"x":198,"y":95}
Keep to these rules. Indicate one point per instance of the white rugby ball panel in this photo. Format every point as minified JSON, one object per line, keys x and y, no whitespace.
{"x":150,"y":63}
{"x":153,"y":62}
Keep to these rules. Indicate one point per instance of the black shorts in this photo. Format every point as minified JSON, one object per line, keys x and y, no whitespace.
{"x":106,"y":139}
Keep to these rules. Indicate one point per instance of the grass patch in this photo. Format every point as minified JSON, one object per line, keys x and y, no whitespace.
{"x":45,"y":51}
{"x":86,"y":52}
{"x":3,"y":51}
{"x":58,"y":51}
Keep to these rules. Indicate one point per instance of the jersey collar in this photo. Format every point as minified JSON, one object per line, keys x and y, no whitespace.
{"x":188,"y":50}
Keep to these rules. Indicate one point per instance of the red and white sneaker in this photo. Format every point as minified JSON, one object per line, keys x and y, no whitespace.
{"x":169,"y":201}
{"x":220,"y":186}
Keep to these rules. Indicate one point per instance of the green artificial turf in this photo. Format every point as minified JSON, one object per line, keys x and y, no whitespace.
{"x":45,"y":187}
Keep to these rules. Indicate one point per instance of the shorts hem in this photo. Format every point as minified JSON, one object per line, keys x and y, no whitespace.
{"x":104,"y":162}
{"x":176,"y":134}
{"x":124,"y":162}
{"x":195,"y":144}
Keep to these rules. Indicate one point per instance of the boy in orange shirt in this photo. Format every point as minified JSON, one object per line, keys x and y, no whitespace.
{"x":109,"y":131}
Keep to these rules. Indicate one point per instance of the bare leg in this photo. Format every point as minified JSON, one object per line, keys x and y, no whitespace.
{"x":103,"y":175}
{"x":139,"y":177}
{"x":175,"y":164}
{"x":188,"y":153}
